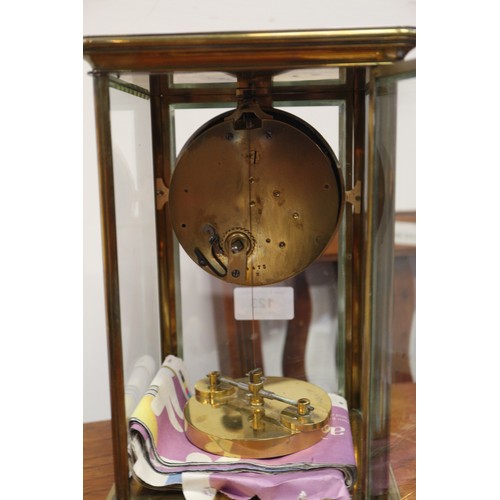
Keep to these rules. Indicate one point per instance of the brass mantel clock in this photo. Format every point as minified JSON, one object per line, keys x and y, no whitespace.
{"x":276,"y":218}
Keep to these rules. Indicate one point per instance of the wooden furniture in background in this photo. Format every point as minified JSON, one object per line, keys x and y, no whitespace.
{"x":404,"y":305}
{"x":239,"y":341}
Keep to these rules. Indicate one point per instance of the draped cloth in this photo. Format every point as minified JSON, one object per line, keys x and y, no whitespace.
{"x":163,"y":458}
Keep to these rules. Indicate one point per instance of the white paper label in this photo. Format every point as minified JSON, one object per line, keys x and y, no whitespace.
{"x":263,"y":303}
{"x":405,"y":233}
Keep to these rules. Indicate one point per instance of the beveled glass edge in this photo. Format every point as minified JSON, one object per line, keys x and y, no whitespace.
{"x":400,"y":70}
{"x":341,"y":275}
{"x":129,"y":88}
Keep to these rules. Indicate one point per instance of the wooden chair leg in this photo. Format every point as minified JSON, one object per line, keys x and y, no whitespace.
{"x":403,"y":311}
{"x":298,"y":330}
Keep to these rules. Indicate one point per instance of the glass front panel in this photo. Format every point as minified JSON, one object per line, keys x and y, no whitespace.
{"x":391,"y":303}
{"x":134,"y":199}
{"x":305,"y":346}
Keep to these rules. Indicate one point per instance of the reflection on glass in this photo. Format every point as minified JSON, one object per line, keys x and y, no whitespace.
{"x":308,"y":75}
{"x":202,"y":78}
{"x":131,"y":83}
{"x":292,"y":77}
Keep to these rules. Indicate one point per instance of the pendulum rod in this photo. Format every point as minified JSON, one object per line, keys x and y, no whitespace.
{"x":245,"y":95}
{"x":253,"y":89}
{"x":253,"y":335}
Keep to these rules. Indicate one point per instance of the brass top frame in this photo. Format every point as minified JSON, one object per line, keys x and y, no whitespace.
{"x":248,"y":51}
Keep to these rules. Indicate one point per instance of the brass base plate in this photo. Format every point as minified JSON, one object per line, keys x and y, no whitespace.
{"x":226,"y":429}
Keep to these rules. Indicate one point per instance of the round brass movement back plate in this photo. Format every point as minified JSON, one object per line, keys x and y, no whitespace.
{"x":256,"y":206}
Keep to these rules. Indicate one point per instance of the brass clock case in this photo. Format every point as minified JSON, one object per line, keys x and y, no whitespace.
{"x":256,"y":197}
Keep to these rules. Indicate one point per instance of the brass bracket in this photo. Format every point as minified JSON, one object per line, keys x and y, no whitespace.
{"x":161,"y":192}
{"x":354,"y":197}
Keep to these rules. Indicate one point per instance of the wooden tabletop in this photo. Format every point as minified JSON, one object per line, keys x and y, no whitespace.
{"x":97,"y":460}
{"x":404,"y":438}
{"x":98,"y":450}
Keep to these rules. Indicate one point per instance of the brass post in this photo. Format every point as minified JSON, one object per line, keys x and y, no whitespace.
{"x":255,"y":385}
{"x":303,"y":407}
{"x":111,"y":284}
{"x":163,"y":145}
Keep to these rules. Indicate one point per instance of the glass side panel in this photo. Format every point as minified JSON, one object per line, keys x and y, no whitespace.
{"x":391,"y":321}
{"x":403,"y":335}
{"x":198,"y":289}
{"x":135,"y":220}
{"x":303,"y":347}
